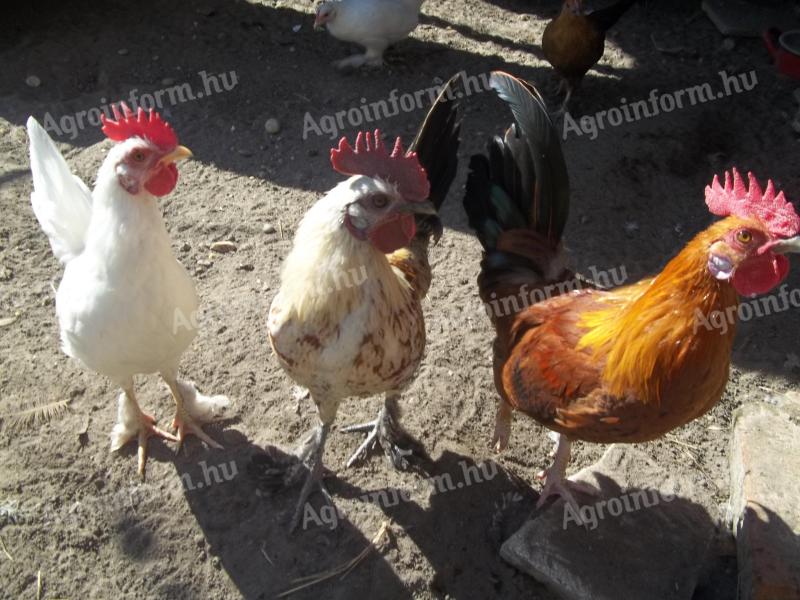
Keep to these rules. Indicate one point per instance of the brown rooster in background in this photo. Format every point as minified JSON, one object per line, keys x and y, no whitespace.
{"x":623,"y":365}
{"x":348,"y":318}
{"x":574,"y":41}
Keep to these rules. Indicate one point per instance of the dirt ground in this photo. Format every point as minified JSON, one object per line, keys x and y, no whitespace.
{"x":75,"y":517}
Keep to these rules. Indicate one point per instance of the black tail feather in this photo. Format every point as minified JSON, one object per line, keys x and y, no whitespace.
{"x":436,"y":145}
{"x":605,"y":18}
{"x":523,"y":184}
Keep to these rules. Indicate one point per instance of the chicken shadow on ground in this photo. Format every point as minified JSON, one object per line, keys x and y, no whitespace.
{"x":247,"y":532}
{"x":246,"y":528}
{"x":472,"y":507}
{"x":475,"y":507}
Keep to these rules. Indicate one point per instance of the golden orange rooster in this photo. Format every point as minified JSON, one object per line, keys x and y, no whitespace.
{"x":348,"y":319}
{"x":623,"y":365}
{"x":574,"y":41}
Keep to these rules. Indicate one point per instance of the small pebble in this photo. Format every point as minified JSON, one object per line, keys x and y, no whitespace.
{"x":297,"y":28}
{"x":223,"y":247}
{"x":185,"y":247}
{"x":33,"y":81}
{"x":728,"y":44}
{"x":167,"y":81}
{"x":268,"y":228}
{"x":272,"y":126}
{"x":122,"y":51}
{"x":6,"y":321}
{"x":245,"y":267}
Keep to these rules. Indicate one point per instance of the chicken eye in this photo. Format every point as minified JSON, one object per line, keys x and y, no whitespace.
{"x":138,"y":156}
{"x":379,"y":201}
{"x":744,"y":237}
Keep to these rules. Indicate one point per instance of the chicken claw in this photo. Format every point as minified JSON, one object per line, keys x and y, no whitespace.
{"x":133,"y":423}
{"x":310,"y":454}
{"x":387,"y":432}
{"x":276,"y":471}
{"x":192,"y":408}
{"x":555,"y":481}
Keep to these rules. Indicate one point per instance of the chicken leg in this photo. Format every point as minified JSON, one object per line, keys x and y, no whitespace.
{"x":387,"y":432}
{"x":132,"y":423}
{"x":189,"y":405}
{"x":310,"y":454}
{"x":502,"y":426}
{"x":555,"y":481}
{"x":373,"y":57}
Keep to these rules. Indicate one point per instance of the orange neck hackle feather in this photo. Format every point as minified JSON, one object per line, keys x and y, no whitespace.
{"x":650,"y":329}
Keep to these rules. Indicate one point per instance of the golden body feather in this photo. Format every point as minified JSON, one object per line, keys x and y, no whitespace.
{"x":625,"y":365}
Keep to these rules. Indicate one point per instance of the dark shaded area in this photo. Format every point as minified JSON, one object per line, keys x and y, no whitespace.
{"x":263,"y":529}
{"x":632,"y":551}
{"x":473,"y":508}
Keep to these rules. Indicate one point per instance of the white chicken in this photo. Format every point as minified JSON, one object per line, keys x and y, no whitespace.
{"x":125,"y":305}
{"x":374,"y":24}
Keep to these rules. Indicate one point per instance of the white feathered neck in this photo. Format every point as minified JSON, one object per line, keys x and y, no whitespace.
{"x":328,"y":271}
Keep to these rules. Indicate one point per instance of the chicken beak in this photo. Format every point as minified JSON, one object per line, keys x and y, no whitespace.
{"x":177,"y":154}
{"x":319,"y":23}
{"x":787,"y":246}
{"x":418,"y":208}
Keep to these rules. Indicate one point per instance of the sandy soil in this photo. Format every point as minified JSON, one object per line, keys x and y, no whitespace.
{"x":77,"y":514}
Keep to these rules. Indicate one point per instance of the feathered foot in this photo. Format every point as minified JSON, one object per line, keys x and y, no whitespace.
{"x":502,"y":426}
{"x":371,"y":58}
{"x":386,"y":431}
{"x":133,"y":423}
{"x":193,"y":408}
{"x":555,"y":481}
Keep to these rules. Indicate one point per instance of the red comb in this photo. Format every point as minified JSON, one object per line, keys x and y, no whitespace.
{"x":146,"y":125}
{"x":370,"y":158}
{"x":772,"y":209}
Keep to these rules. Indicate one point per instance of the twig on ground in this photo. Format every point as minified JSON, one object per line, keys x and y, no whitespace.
{"x":5,"y":550}
{"x":343,"y":569}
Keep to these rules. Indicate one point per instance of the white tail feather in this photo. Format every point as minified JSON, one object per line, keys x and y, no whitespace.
{"x":61,"y":201}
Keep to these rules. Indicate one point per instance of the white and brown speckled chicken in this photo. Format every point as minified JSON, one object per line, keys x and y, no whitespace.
{"x":348,"y":319}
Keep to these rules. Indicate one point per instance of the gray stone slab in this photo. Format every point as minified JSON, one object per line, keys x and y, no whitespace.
{"x":765,"y":498}
{"x":644,"y":536}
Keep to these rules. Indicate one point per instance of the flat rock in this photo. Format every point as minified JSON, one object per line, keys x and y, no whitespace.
{"x":765,"y":463}
{"x":643,"y":536}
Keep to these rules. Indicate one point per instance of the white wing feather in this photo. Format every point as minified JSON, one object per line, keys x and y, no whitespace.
{"x":61,"y":201}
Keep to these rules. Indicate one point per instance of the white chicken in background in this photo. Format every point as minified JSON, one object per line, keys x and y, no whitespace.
{"x":374,"y":24}
{"x":125,"y":305}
